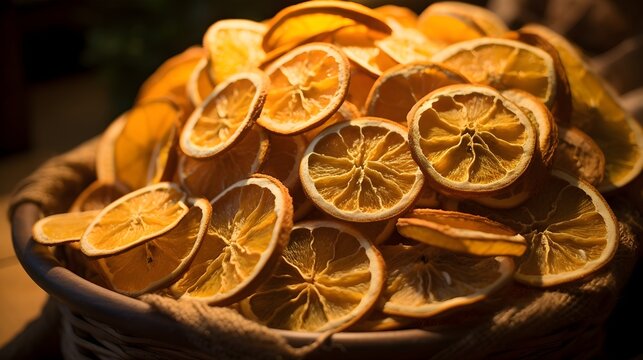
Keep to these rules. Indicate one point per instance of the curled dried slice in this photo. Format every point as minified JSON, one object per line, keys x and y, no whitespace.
{"x":462,"y":233}
{"x":134,"y":218}
{"x":470,"y":141}
{"x":423,"y":281}
{"x":199,"y":84}
{"x":400,"y":14}
{"x":307,"y":86}
{"x":328,"y":278}
{"x":250,"y":224}
{"x":225,"y":116}
{"x":359,"y":44}
{"x":62,"y":228}
{"x":209,"y":177}
{"x":579,"y":155}
{"x":361,"y":170}
{"x":503,"y":64}
{"x":570,"y":231}
{"x":155,"y":263}
{"x":233,"y":46}
{"x":97,"y":195}
{"x":398,"y":89}
{"x":407,"y":45}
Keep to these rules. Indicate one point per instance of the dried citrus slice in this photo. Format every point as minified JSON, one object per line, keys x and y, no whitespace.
{"x":503,"y":64}
{"x":407,"y":45}
{"x":579,"y":155}
{"x":378,"y":321}
{"x":359,"y":87}
{"x":97,"y":195}
{"x":398,"y":89}
{"x":155,"y":263}
{"x":424,"y":281}
{"x":283,"y":159}
{"x":225,"y":116}
{"x":361,"y":170}
{"x":171,"y":78}
{"x":298,"y":23}
{"x":347,"y":111}
{"x":105,"y":150}
{"x":209,"y":177}
{"x":144,"y":150}
{"x":307,"y":85}
{"x":400,"y":14}
{"x":199,"y":84}
{"x":597,"y":112}
{"x":449,"y":22}
{"x":134,"y":218}
{"x":250,"y":225}
{"x":233,"y":46}
{"x":62,"y":228}
{"x":469,"y":140}
{"x":359,"y":44}
{"x":377,"y":232}
{"x":460,"y":232}
{"x":538,"y":169}
{"x":570,"y":231}
{"x":328,"y":278}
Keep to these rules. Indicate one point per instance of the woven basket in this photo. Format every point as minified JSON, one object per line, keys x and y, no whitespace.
{"x":562,"y":322}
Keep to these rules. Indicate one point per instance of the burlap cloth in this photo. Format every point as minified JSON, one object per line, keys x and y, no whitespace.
{"x":561,"y":322}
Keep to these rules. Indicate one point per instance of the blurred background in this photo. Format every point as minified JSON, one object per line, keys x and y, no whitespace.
{"x":69,"y":67}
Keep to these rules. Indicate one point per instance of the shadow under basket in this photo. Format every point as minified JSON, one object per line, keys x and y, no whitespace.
{"x":560,"y":322}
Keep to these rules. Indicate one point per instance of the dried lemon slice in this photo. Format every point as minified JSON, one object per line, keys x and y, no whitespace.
{"x":461,"y":232}
{"x":398,"y":89}
{"x":570,"y":231}
{"x":328,"y":278}
{"x":469,"y":140}
{"x":62,"y":228}
{"x":307,"y":86}
{"x":155,"y":263}
{"x":134,"y":218}
{"x":251,"y":221}
{"x":361,"y":170}
{"x":233,"y":46}
{"x":423,"y":281}
{"x":503,"y":64}
{"x":225,"y":116}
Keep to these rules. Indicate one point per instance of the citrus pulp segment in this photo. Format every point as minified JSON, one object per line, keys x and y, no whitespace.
{"x":225,"y":116}
{"x":250,"y":225}
{"x":307,"y":85}
{"x":361,"y":170}
{"x":134,"y":218}
{"x":155,"y":263}
{"x":469,"y":140}
{"x":62,"y":228}
{"x":328,"y":278}
{"x":423,"y":281}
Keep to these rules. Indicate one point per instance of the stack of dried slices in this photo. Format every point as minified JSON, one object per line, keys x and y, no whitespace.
{"x":339,"y":167}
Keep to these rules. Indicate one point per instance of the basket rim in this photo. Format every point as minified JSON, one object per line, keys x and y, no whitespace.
{"x":139,"y":318}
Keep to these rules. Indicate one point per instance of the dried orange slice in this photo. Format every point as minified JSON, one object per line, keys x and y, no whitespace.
{"x":105,"y":151}
{"x":233,"y":46}
{"x":361,"y":170}
{"x":199,"y":84}
{"x":400,"y":14}
{"x":144,"y":150}
{"x":209,"y":177}
{"x":449,"y":22}
{"x":155,"y":263}
{"x":377,"y":232}
{"x":424,"y":281}
{"x":171,"y":78}
{"x":283,"y":159}
{"x":596,"y":111}
{"x":359,"y":44}
{"x":97,"y":195}
{"x":570,"y":231}
{"x":398,"y":89}
{"x":62,"y":228}
{"x":460,"y":232}
{"x":134,"y":218}
{"x":503,"y":64}
{"x":579,"y":155}
{"x":347,"y":111}
{"x":225,"y":116}
{"x":469,"y":140}
{"x":328,"y":278}
{"x":407,"y":45}
{"x":296,"y":24}
{"x":250,"y":225}
{"x":359,"y":87}
{"x":307,"y":85}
